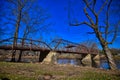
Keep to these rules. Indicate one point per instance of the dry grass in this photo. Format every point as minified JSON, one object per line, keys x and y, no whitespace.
{"x":33,"y":71}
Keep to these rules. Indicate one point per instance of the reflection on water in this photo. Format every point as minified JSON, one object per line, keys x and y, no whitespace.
{"x":118,"y":64}
{"x":103,"y":63}
{"x":67,"y":61}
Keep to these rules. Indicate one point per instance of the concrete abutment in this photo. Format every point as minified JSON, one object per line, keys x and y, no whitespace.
{"x":51,"y":57}
{"x":91,"y":60}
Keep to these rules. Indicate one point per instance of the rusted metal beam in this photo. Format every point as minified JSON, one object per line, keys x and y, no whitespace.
{"x":63,"y":46}
{"x":23,"y":48}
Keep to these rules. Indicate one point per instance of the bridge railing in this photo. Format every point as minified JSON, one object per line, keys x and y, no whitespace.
{"x":67,"y":46}
{"x":26,"y":43}
{"x":56,"y":45}
{"x":6,"y":42}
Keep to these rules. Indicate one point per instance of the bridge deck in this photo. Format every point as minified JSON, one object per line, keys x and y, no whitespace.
{"x":23,"y":48}
{"x":60,"y":46}
{"x":39,"y":49}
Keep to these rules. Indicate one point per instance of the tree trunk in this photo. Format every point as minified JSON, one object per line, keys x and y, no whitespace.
{"x":13,"y":56}
{"x":16,"y":33}
{"x":107,"y":51}
{"x":20,"y":56}
{"x":14,"y":45}
{"x":109,"y":58}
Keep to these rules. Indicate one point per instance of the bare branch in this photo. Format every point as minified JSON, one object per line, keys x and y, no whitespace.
{"x":11,"y":1}
{"x":88,"y":5}
{"x":94,"y":3}
{"x":115,"y":33}
{"x":7,"y":23}
{"x":78,"y":24}
{"x":102,"y":7}
{"x":92,"y":10}
{"x":88,"y":16}
{"x":107,"y":20}
{"x":10,"y":19}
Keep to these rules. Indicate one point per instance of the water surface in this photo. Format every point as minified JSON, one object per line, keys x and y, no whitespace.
{"x":103,"y":63}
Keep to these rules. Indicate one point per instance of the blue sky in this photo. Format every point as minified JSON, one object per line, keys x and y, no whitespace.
{"x":59,"y":17}
{"x":58,"y":10}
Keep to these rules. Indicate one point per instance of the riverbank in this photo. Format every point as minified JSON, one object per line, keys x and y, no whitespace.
{"x":38,"y":71}
{"x":116,"y":57}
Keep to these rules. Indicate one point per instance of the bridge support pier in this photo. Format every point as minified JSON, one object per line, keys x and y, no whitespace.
{"x":91,"y":60}
{"x":96,"y":61}
{"x":13,"y":56}
{"x":51,"y":57}
{"x":79,"y":59}
{"x":87,"y":61}
{"x":43,"y":55}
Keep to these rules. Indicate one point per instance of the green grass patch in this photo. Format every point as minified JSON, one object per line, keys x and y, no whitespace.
{"x":99,"y":76}
{"x":15,"y":77}
{"x":42,"y":72}
{"x":93,"y":77}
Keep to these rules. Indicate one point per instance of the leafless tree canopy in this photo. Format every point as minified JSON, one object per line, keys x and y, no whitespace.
{"x":23,"y":17}
{"x":32,"y":18}
{"x":103,"y":17}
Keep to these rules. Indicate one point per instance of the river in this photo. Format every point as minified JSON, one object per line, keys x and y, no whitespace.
{"x":103,"y":63}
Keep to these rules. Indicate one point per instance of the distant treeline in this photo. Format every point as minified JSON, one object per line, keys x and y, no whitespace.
{"x":115,"y":51}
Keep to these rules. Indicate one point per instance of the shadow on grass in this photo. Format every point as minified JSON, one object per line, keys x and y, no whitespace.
{"x":5,"y":79}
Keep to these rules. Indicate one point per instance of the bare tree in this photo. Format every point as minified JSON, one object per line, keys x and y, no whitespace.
{"x":23,"y":15}
{"x":105,"y":32}
{"x":32,"y":22}
{"x":13,"y":17}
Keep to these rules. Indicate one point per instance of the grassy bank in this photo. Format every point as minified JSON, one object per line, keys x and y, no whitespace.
{"x":117,"y":57}
{"x":33,"y":71}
